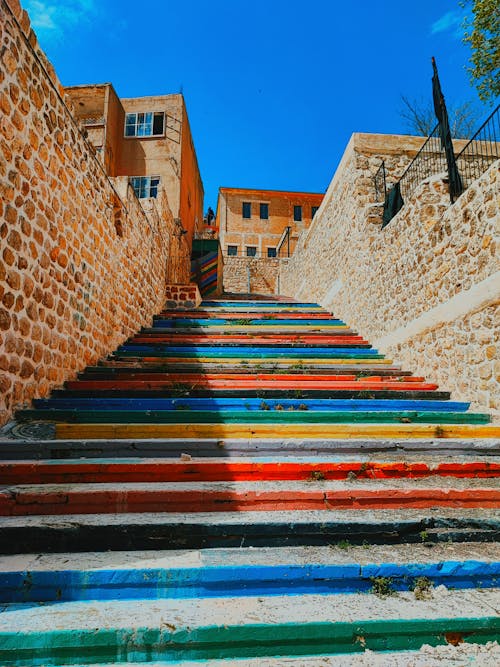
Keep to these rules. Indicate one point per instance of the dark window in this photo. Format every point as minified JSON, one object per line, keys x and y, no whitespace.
{"x":313,"y":211}
{"x":297,"y":213}
{"x":271,"y":252}
{"x":232,"y":250}
{"x":145,"y":186}
{"x":246,"y":209}
{"x":264,"y":211}
{"x":146,"y":124}
{"x":251,"y":251}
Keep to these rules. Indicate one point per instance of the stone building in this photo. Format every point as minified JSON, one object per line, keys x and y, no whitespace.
{"x":147,"y":139}
{"x":255,"y":228}
{"x":251,"y":223}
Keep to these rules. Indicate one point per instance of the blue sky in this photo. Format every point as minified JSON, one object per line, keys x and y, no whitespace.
{"x":274,"y":88}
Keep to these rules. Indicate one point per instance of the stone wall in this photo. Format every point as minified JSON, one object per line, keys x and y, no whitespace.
{"x":82,"y":265}
{"x":425,"y":289}
{"x":260,"y":274}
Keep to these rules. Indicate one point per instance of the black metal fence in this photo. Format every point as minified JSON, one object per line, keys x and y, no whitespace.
{"x":429,"y":161}
{"x":283,"y":247}
{"x":472,"y":161}
{"x":482,"y":150}
{"x":380,"y":183}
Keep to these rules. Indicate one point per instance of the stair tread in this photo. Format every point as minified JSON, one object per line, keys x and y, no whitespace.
{"x":306,"y":518}
{"x":400,"y":554}
{"x":276,"y":610}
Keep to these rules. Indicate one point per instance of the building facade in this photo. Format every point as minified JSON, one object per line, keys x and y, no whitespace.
{"x":256,"y":228}
{"x":147,"y":139}
{"x":263,"y":223}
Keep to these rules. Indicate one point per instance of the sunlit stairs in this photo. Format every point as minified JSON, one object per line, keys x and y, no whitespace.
{"x":249,"y":483}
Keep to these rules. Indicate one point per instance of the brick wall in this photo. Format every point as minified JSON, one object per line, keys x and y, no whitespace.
{"x":426,"y":288}
{"x":82,"y":265}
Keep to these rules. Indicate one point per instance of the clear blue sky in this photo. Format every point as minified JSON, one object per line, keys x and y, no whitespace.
{"x":274,"y":88}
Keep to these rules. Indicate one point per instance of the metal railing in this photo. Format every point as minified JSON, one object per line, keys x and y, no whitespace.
{"x":380,"y":183}
{"x":283,"y":247}
{"x":429,"y":161}
{"x":243,"y":253}
{"x":472,"y":161}
{"x":483,"y":149}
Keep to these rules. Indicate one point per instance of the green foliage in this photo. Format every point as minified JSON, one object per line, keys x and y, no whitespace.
{"x":382,"y":586}
{"x":482,"y":34}
{"x":422,"y":588}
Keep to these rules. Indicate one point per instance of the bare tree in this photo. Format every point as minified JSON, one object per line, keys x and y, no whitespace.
{"x":420,"y":119}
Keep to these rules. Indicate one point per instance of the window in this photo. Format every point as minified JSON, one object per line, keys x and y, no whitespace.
{"x":246,"y":209}
{"x":232,"y":250}
{"x":264,"y":211}
{"x":145,"y":186}
{"x":148,"y":124}
{"x":251,"y":251}
{"x":271,"y":252}
{"x":313,"y":211}
{"x":297,"y":213}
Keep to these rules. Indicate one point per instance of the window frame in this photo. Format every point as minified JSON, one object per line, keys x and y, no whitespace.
{"x":274,"y":249}
{"x":229,"y":253}
{"x":314,"y":210}
{"x":136,"y":124}
{"x":297,"y":208}
{"x":266,"y":204}
{"x":251,"y":247}
{"x":150,"y":186}
{"x":243,"y":205}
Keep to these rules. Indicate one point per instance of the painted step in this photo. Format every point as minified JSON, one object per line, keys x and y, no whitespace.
{"x":183,"y":366}
{"x":228,"y":449}
{"x":186,"y":416}
{"x":256,"y":376}
{"x":481,"y":655}
{"x":309,"y":431}
{"x":298,"y":328}
{"x":160,"y":530}
{"x":247,"y":572}
{"x":238,"y":382}
{"x":256,"y":626}
{"x":248,"y":404}
{"x":242,"y":351}
{"x":300,"y":365}
{"x":261,"y":322}
{"x":274,"y":496}
{"x":81,"y":471}
{"x":247,"y":313}
{"x":163,"y":340}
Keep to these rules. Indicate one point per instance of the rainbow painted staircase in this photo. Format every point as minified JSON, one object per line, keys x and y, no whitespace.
{"x":249,"y":484}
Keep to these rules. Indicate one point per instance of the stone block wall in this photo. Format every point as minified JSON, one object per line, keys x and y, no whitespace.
{"x":260,"y":274}
{"x":183,"y":297}
{"x":82,"y":266}
{"x":426,"y":288}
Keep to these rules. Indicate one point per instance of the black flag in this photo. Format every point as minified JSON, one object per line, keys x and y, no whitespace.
{"x":456,"y":187}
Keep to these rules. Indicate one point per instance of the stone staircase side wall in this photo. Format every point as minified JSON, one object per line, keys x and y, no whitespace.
{"x":82,"y":267}
{"x":425,"y":289}
{"x":258,"y":274}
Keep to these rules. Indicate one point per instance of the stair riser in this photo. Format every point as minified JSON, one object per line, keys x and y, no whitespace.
{"x":291,"y":639}
{"x":277,"y":417}
{"x":109,"y":471}
{"x":137,"y":584}
{"x":26,"y":503}
{"x":228,"y":449}
{"x":248,"y":404}
{"x":252,"y":431}
{"x":76,"y":536}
